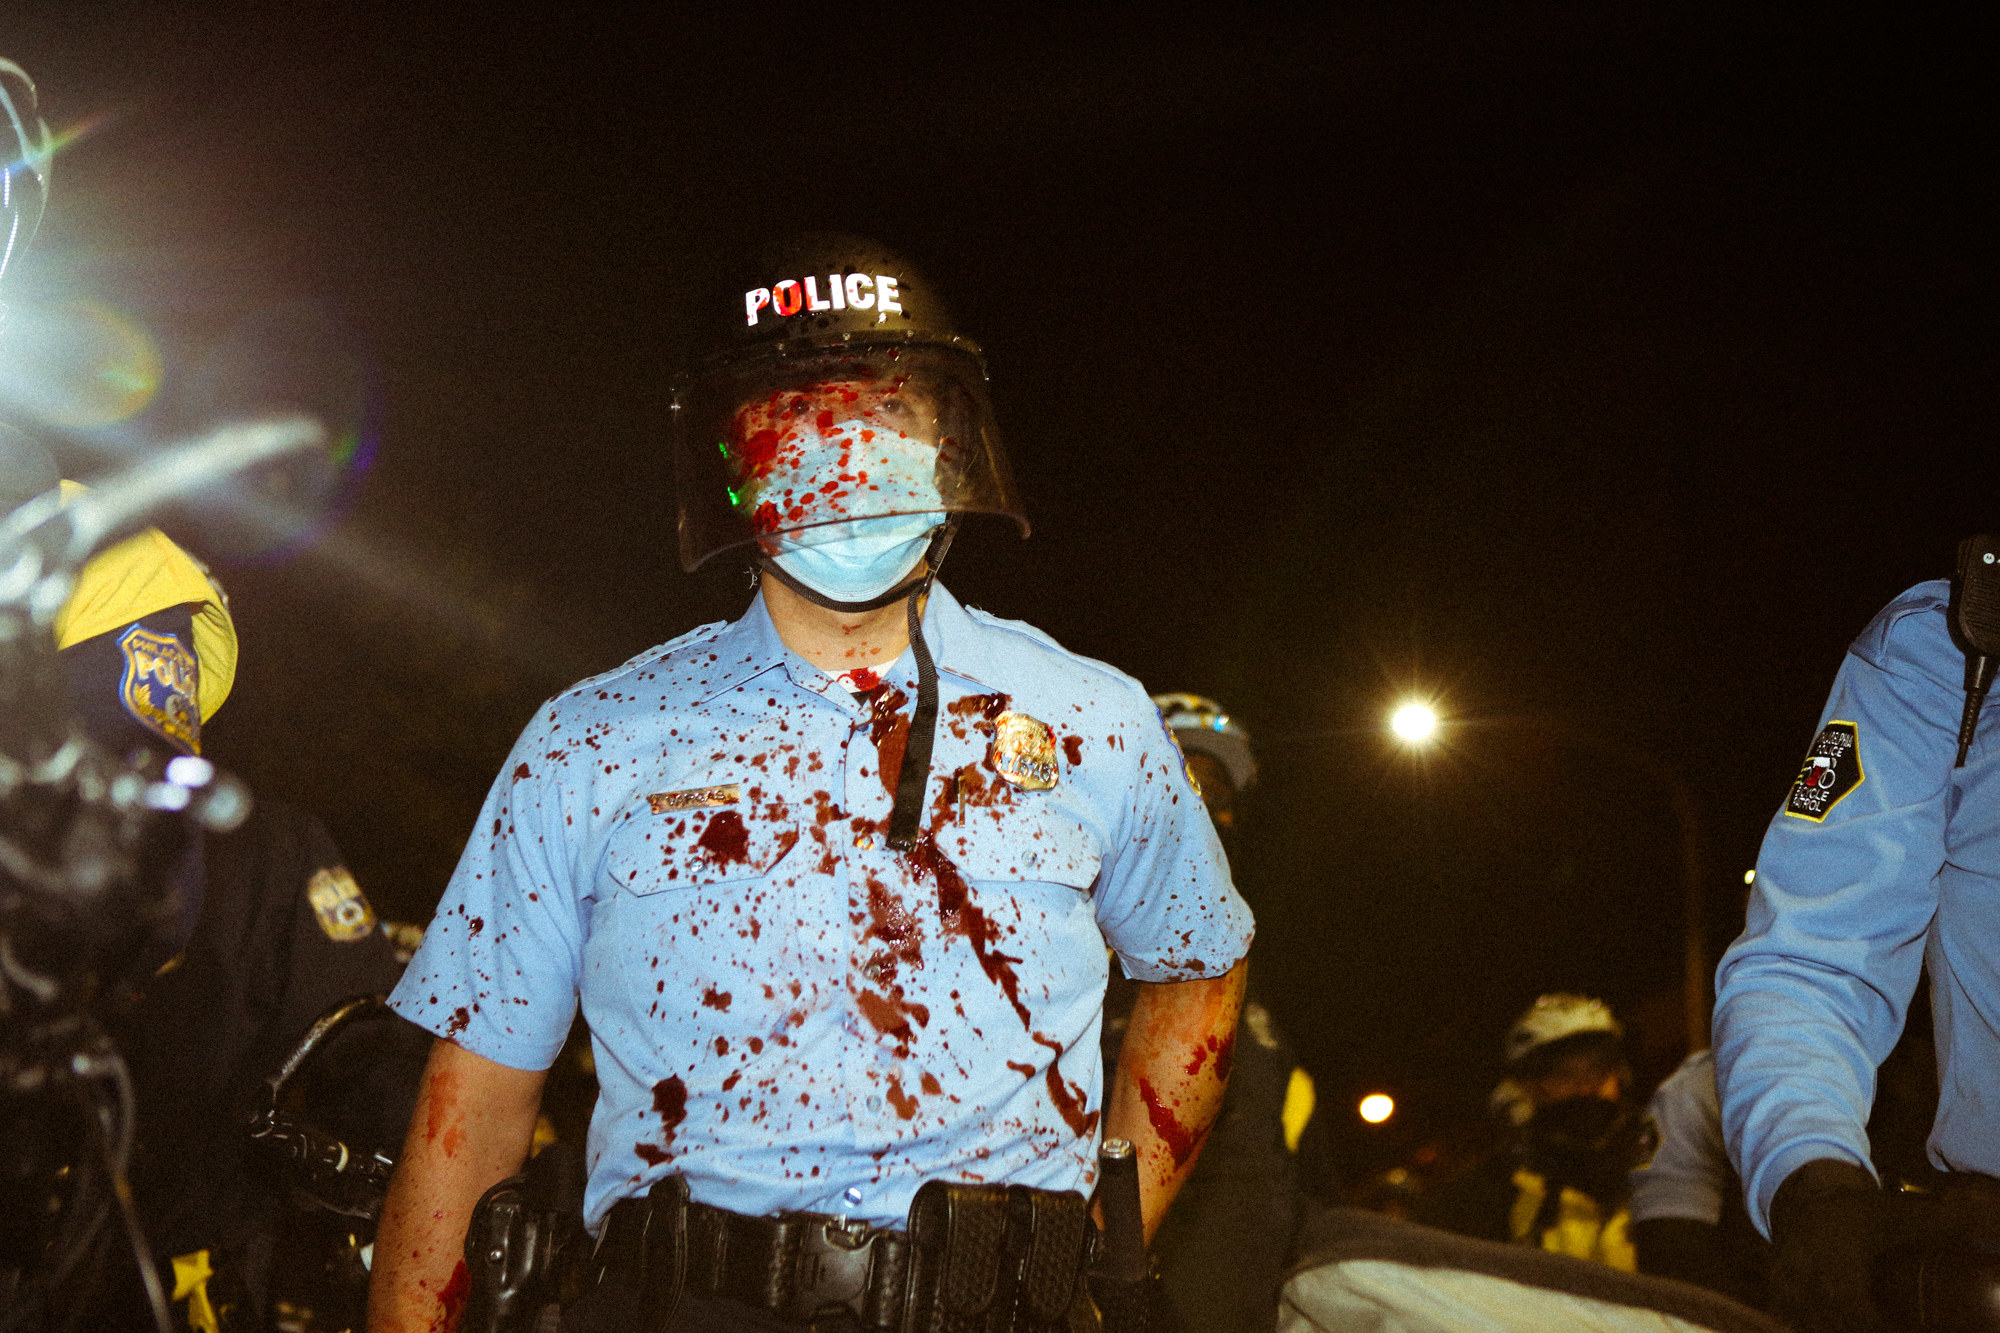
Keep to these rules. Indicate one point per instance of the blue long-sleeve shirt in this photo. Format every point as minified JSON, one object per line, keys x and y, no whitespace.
{"x":1882,"y":859}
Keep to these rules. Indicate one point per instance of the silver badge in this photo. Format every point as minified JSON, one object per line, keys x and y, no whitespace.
{"x":1024,"y":751}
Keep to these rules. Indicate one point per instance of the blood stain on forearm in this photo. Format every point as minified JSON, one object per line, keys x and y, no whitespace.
{"x":1180,"y":1141}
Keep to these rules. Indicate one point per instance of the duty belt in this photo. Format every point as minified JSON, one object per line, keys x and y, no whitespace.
{"x":975,"y":1257}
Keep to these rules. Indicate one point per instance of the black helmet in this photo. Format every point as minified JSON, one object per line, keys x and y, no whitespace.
{"x":831,"y":385}
{"x":26,"y":149}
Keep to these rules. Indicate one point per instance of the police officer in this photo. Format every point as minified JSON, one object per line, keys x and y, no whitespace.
{"x":1882,"y":861}
{"x":1227,"y":1245}
{"x":1561,"y":1182}
{"x":269,"y":930}
{"x":259,"y":930}
{"x":833,"y":881}
{"x":1688,"y":1221}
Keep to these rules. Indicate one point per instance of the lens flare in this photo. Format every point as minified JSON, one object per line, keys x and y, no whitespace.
{"x":1377,"y":1107}
{"x":77,"y":366}
{"x":1414,"y":723}
{"x":292,"y":357}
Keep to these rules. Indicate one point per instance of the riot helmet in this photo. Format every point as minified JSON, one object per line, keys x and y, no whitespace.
{"x":24,"y":177}
{"x":836,"y":425}
{"x":1560,"y":1022}
{"x":834,"y":422}
{"x":1202,"y":726}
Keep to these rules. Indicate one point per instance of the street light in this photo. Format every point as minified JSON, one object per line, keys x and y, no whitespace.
{"x":1377,"y":1107}
{"x":1414,"y":723}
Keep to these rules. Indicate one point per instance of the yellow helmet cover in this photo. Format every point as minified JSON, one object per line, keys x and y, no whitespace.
{"x":145,"y":573}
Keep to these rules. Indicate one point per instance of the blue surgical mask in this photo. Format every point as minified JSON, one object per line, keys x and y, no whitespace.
{"x":868,"y":557}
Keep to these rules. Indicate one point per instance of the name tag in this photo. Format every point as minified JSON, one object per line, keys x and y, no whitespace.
{"x":694,"y":798}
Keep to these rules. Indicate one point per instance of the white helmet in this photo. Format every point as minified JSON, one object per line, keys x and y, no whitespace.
{"x":1552,"y":1018}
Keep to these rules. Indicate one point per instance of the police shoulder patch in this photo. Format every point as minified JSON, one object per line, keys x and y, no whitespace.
{"x":161,"y":681}
{"x":1648,"y":1145}
{"x":1832,"y":769}
{"x":343,"y":910}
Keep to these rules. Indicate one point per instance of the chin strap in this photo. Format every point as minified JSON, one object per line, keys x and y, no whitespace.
{"x":914,"y":776}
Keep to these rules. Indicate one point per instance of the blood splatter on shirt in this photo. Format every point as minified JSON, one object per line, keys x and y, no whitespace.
{"x":784,"y":1007}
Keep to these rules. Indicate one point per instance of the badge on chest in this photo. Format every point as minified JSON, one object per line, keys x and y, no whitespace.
{"x":1024,"y":751}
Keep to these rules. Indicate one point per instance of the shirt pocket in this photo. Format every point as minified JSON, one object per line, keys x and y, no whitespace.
{"x":657,"y":853}
{"x":1035,"y":840}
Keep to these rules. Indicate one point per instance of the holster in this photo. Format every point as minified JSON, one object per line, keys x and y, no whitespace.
{"x":1139,"y":1305}
{"x":522,"y":1240}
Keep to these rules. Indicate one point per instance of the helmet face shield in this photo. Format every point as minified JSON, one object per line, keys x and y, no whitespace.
{"x":791,"y":451}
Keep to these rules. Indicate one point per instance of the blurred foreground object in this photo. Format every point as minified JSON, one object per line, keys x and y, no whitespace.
{"x":99,"y":846}
{"x":1359,"y":1270}
{"x":27,"y":149}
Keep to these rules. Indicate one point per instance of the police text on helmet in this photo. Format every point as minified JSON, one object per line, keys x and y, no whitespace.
{"x":858,"y":291}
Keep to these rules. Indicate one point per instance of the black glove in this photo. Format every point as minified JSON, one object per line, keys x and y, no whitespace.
{"x":1828,"y":1223}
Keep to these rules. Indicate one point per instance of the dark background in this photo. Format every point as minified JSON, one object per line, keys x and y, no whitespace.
{"x":1597,"y":371}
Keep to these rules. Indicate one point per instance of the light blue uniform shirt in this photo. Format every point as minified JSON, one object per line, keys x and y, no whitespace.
{"x":1883,"y":858}
{"x":1687,"y":1174}
{"x":782,"y":1009}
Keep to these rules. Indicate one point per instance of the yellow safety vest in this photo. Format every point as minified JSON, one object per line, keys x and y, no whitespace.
{"x":1581,"y":1230}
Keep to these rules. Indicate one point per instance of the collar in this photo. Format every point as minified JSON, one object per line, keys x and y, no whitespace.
{"x":751,"y":641}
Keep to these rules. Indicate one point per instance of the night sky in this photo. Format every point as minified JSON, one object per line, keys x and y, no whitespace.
{"x":1596,"y":371}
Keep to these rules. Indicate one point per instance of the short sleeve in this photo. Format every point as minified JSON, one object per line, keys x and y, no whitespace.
{"x":1688,"y":1173}
{"x":498,"y":969}
{"x":1164,"y":900}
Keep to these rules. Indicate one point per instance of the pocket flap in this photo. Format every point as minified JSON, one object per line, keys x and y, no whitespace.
{"x":1034,"y":841}
{"x":654,"y":853}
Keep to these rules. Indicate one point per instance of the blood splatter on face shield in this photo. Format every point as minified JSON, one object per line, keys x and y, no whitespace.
{"x":794,"y":453}
{"x":813,"y":459}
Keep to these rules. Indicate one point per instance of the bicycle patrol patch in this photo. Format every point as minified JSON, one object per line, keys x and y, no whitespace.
{"x":161,"y":681}
{"x":1831,"y":770}
{"x":1024,"y":751}
{"x":343,"y":910}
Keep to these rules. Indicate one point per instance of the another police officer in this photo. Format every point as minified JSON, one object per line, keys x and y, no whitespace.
{"x":1228,"y":1243}
{"x":833,"y":881}
{"x":1687,"y":1214}
{"x":1882,"y":861}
